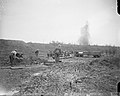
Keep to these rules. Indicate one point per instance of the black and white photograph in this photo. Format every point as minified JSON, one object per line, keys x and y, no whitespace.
{"x":59,"y":48}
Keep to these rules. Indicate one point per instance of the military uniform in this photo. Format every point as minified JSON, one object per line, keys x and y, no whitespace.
{"x":37,"y":53}
{"x":57,"y":53}
{"x":12,"y":57}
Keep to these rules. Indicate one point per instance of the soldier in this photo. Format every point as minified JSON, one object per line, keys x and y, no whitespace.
{"x":37,"y":52}
{"x":14,"y":52}
{"x":57,"y":53}
{"x":49,"y":54}
{"x":19,"y":56}
{"x":12,"y":56}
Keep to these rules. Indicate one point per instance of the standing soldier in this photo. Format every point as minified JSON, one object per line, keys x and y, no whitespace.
{"x":11,"y":57}
{"x":37,"y":52}
{"x":57,"y":53}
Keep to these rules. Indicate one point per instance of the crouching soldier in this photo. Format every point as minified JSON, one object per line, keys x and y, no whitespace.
{"x":57,"y":53}
{"x":12,"y":57}
{"x":19,"y":57}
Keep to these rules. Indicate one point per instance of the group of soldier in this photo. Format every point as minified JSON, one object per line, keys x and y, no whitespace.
{"x":17,"y":56}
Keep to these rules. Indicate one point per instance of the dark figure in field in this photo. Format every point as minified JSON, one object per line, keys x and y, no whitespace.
{"x":37,"y":52}
{"x":15,"y":57}
{"x":49,"y":54}
{"x":11,"y":57}
{"x":19,"y":57}
{"x":14,"y":52}
{"x":57,"y":53}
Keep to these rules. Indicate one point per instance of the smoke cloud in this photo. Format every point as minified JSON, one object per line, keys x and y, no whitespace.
{"x":84,"y":38}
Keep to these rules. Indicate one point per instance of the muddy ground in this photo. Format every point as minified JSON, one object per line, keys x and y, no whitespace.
{"x":71,"y":77}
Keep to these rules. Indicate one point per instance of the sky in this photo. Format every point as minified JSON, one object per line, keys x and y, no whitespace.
{"x":44,"y":21}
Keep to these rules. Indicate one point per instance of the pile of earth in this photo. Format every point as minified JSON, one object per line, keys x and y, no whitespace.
{"x":73,"y":79}
{"x":112,"y":62}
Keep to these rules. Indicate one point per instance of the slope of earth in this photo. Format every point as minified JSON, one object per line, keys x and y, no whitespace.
{"x":68,"y":47}
{"x":28,"y":49}
{"x":6,"y":46}
{"x":12,"y":78}
{"x":73,"y":77}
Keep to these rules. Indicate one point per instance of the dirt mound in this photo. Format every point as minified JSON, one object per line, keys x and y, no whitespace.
{"x":6,"y":46}
{"x":71,"y":78}
{"x":111,"y":62}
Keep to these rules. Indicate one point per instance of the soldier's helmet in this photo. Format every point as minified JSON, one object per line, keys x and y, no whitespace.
{"x":59,"y":45}
{"x":15,"y":49}
{"x":36,"y":50}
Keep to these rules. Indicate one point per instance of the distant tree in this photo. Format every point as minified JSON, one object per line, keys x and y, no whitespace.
{"x":55,"y":43}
